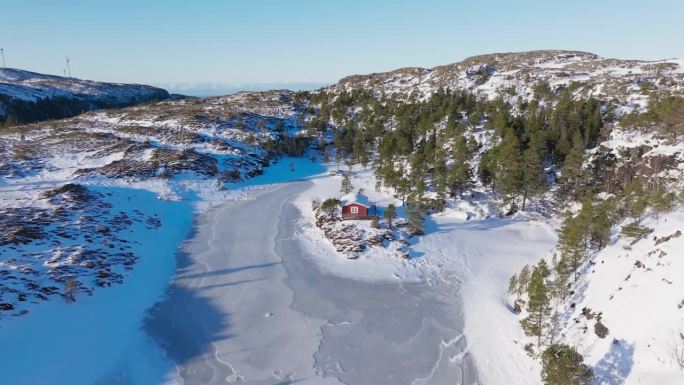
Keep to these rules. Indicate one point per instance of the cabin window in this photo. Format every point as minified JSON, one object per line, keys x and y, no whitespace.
{"x":354,"y":210}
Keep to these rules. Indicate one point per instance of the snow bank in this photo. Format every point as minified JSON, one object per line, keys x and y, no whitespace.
{"x":98,"y":338}
{"x":639,"y":289}
{"x":492,"y":251}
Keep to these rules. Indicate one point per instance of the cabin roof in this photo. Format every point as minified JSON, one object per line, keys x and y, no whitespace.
{"x":356,"y":203}
{"x":357,"y":198}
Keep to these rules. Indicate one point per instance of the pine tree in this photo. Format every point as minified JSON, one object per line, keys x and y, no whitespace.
{"x":601,"y":222}
{"x":403,"y":186}
{"x":571,"y":241}
{"x":346,"y":186}
{"x":389,"y":215}
{"x":416,"y":219}
{"x":359,"y":152}
{"x":543,"y":269}
{"x":523,"y":279}
{"x":459,"y":175}
{"x":671,"y":110}
{"x":560,"y":284}
{"x":555,"y":327}
{"x":329,"y":206}
{"x":513,"y":284}
{"x":573,"y":176}
{"x":487,"y":167}
{"x":534,"y":180}
{"x":563,"y":365}
{"x":509,"y":177}
{"x":538,"y":305}
{"x":326,"y":156}
{"x":662,"y":201}
{"x":635,"y":200}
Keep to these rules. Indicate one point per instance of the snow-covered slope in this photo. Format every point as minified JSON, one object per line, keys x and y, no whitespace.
{"x":28,"y":96}
{"x":65,"y":226}
{"x":638,"y":288}
{"x":640,"y":302}
{"x":513,"y":75}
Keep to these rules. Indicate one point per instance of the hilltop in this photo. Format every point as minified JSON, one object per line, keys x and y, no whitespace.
{"x":29,"y":96}
{"x":523,"y":74}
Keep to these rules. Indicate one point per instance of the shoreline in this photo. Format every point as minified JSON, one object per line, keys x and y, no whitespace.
{"x":200,"y":346}
{"x":251,"y":305}
{"x":380,"y":321}
{"x":108,"y":322}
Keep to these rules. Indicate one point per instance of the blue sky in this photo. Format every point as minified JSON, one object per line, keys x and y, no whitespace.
{"x":319,"y":41}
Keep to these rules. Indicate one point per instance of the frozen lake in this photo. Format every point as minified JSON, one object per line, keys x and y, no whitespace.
{"x":249,"y":305}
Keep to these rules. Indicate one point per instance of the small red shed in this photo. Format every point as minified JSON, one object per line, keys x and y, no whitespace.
{"x":356,"y":210}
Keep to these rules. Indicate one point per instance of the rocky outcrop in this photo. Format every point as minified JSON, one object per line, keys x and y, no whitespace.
{"x":74,"y":236}
{"x":351,"y":239}
{"x":513,"y":75}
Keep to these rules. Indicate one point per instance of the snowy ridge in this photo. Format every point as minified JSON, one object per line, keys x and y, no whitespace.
{"x":21,"y":91}
{"x":515,"y":75}
{"x":31,"y":86}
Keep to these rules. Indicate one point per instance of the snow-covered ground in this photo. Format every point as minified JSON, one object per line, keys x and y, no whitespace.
{"x":257,"y":307}
{"x":469,"y":260}
{"x":159,"y":165}
{"x":98,"y":338}
{"x":31,"y":86}
{"x":639,"y":290}
{"x":480,"y":255}
{"x":472,"y":258}
{"x":102,"y":202}
{"x":492,"y":250}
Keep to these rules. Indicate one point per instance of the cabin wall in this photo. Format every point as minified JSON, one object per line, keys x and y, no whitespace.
{"x":363,"y":212}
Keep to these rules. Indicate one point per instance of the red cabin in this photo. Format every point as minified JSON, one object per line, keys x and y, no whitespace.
{"x":356,"y":210}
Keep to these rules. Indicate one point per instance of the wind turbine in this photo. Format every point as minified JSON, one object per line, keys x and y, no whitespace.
{"x":68,"y":65}
{"x":2,"y":54}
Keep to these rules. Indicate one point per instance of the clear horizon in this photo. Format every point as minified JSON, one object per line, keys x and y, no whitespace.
{"x":269,"y":42}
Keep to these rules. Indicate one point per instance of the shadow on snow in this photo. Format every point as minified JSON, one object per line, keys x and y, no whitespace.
{"x":615,"y":365}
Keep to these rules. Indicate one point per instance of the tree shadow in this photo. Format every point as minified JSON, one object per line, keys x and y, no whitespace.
{"x":229,"y":284}
{"x":477,"y":224}
{"x":214,"y":273}
{"x":616,"y":364}
{"x":184,"y":324}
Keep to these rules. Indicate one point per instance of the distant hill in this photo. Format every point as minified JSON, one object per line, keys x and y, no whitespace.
{"x":29,"y":97}
{"x":219,"y":89}
{"x":520,"y":74}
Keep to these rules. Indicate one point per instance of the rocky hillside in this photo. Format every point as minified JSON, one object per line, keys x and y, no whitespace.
{"x":67,"y":222}
{"x":28,"y":96}
{"x":513,"y":75}
{"x":571,"y":136}
{"x":592,"y":144}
